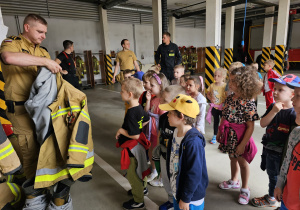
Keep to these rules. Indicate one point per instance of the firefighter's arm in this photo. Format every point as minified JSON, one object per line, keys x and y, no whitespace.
{"x":125,"y":133}
{"x":24,"y":59}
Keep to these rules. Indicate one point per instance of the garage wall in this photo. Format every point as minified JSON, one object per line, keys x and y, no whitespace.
{"x":85,"y":35}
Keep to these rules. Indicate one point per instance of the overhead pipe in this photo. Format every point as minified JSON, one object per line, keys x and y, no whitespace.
{"x":164,"y":16}
{"x":235,"y":3}
{"x":132,"y":8}
{"x":112,"y":3}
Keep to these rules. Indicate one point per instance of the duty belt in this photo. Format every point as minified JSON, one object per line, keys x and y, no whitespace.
{"x":11,"y":105}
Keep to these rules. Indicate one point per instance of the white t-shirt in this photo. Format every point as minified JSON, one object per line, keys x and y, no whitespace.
{"x":174,"y":160}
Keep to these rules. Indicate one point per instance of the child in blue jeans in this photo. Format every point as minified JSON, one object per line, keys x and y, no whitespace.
{"x":186,"y":164}
{"x":278,"y":120}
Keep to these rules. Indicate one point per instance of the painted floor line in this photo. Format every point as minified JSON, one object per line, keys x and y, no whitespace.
{"x":121,"y":180}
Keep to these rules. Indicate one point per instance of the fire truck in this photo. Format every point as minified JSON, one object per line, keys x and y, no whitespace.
{"x":293,"y":53}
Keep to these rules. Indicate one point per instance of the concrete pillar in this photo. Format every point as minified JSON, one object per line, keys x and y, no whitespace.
{"x":104,"y":30}
{"x":3,"y":28}
{"x":267,"y":38}
{"x":213,"y":39}
{"x":105,"y":45}
{"x":281,"y":34}
{"x":172,"y":28}
{"x":229,"y":32}
{"x":157,"y":23}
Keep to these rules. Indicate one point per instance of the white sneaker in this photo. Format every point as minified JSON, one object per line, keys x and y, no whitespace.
{"x":152,"y":176}
{"x":156,"y":183}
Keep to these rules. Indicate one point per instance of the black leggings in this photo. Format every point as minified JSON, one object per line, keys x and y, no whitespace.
{"x":216,"y":114}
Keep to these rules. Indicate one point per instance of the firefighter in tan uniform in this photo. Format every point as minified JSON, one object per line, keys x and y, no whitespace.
{"x":20,"y":58}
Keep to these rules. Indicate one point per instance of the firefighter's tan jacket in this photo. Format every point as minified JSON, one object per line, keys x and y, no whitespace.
{"x":68,"y":152}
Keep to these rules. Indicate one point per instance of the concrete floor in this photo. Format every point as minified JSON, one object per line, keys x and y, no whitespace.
{"x":107,"y":189}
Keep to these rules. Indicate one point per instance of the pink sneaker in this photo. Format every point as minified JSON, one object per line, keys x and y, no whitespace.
{"x":229,"y":185}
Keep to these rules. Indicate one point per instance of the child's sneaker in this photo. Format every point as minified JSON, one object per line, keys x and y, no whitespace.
{"x":152,"y":176}
{"x":265,"y":201}
{"x":230,"y":185}
{"x":244,"y":196}
{"x":156,"y":183}
{"x":129,"y":192}
{"x":214,"y":139}
{"x":167,"y":206}
{"x":131,"y":204}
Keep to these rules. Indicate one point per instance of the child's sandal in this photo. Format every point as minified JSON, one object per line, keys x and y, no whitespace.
{"x":244,"y":197}
{"x":264,"y":201}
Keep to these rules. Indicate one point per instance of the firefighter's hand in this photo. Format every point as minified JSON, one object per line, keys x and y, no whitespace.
{"x":183,"y":205}
{"x":53,"y":66}
{"x":64,"y":72}
{"x":113,"y":80}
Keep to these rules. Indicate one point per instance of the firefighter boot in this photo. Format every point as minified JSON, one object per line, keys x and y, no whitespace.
{"x":61,"y":199}
{"x":36,"y":199}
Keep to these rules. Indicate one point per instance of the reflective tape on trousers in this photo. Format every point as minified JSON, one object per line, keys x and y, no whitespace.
{"x":16,"y":191}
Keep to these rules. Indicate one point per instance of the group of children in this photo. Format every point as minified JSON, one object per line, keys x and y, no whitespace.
{"x":167,"y":122}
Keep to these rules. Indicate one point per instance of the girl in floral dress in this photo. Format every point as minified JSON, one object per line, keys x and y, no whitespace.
{"x":237,"y":126}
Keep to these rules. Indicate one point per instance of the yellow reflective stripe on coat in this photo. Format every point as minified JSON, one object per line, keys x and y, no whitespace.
{"x":16,"y":191}
{"x":65,"y":111}
{"x":6,"y":151}
{"x":85,"y":114}
{"x":77,"y":148}
{"x":49,"y":175}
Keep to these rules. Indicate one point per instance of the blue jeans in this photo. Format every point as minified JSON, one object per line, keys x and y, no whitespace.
{"x":192,"y":207}
{"x":273,"y":161}
{"x":283,"y":207}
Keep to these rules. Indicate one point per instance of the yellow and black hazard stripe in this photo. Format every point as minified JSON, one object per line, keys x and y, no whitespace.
{"x":228,"y":57}
{"x":265,"y":55}
{"x":3,"y":118}
{"x":108,"y":69}
{"x":279,"y":58}
{"x":212,"y":62}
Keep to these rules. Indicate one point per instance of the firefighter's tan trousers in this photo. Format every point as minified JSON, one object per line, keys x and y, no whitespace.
{"x":25,"y":144}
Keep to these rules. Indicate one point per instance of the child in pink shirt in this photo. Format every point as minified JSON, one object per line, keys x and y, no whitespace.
{"x":158,"y":83}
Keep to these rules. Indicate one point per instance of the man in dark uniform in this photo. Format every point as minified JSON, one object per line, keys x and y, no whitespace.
{"x":65,"y":60}
{"x":167,"y":56}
